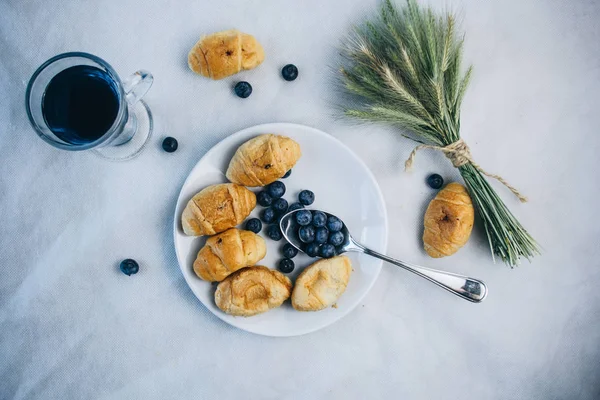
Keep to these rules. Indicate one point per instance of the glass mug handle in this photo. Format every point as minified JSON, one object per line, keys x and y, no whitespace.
{"x":136,"y":85}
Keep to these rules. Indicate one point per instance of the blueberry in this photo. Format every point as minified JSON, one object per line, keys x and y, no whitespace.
{"x":264,"y":199}
{"x":289,"y":251}
{"x":289,"y":72}
{"x":327,"y":251}
{"x":306,"y":233}
{"x":336,"y":238}
{"x":243,"y":89}
{"x":129,"y":267}
{"x":334,"y":224}
{"x":435,"y":181}
{"x":169,"y":144}
{"x":286,"y":265}
{"x":312,"y":249}
{"x":306,"y":197}
{"x":274,"y":233}
{"x":295,"y":206}
{"x":276,"y":189}
{"x":303,"y":217}
{"x":267,"y":215}
{"x":280,"y":206}
{"x":254,"y":225}
{"x":321,"y":235}
{"x":319,"y":219}
{"x":288,"y":173}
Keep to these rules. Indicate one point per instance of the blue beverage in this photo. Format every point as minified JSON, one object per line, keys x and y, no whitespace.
{"x":80,"y":104}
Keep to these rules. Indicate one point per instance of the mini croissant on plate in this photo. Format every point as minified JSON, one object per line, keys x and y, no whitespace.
{"x":227,"y":252}
{"x":321,"y":284}
{"x":263,"y":160}
{"x":225,"y":53}
{"x":217,"y":208}
{"x":252,"y":290}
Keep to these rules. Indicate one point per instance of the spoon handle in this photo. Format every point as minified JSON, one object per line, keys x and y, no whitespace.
{"x":468,"y":288}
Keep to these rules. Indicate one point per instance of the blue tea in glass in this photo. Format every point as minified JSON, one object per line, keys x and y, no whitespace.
{"x":76,"y":101}
{"x":80,"y":104}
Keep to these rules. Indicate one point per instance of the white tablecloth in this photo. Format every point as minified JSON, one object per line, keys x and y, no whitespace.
{"x":72,"y":326}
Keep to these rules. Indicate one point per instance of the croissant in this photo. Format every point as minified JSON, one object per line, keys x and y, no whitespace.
{"x":227,"y":252}
{"x":448,"y":221}
{"x":321,"y":284}
{"x":263,"y":160}
{"x":225,"y":53}
{"x":216,"y":209}
{"x":252,"y":290}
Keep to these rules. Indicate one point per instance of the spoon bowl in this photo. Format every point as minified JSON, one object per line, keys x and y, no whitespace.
{"x":289,"y":227}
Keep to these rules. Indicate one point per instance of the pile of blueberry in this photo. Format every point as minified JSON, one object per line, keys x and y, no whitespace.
{"x":321,"y":234}
{"x":276,"y":207}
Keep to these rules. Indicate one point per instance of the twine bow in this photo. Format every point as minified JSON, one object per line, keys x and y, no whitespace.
{"x":459,"y":154}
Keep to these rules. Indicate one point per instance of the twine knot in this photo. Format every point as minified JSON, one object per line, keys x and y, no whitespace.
{"x":459,"y":154}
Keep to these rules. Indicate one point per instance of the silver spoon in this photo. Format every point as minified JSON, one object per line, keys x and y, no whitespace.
{"x":468,"y":288}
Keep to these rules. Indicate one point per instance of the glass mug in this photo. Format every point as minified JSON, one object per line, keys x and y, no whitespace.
{"x":76,"y":101}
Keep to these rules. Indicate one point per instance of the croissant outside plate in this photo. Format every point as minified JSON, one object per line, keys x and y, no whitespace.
{"x":448,"y":221}
{"x":225,"y":53}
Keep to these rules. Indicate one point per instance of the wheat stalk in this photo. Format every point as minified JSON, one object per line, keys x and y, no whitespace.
{"x":406,"y":67}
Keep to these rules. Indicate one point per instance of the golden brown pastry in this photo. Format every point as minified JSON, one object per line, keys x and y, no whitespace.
{"x":263,"y":160}
{"x":216,"y":209}
{"x":227,"y":252}
{"x":321,"y":284}
{"x":225,"y":53}
{"x":252,"y":290}
{"x":448,"y":221}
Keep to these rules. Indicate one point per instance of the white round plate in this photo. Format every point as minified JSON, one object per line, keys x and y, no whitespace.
{"x":343,"y":185}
